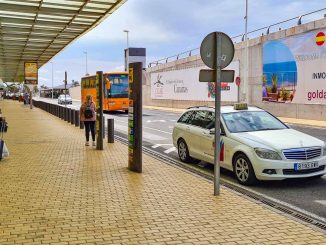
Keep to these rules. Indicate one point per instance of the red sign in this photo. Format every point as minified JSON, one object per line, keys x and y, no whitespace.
{"x":237,"y":81}
{"x":320,"y":38}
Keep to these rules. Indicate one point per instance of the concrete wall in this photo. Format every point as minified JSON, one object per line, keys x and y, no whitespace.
{"x":250,"y":91}
{"x":75,"y":93}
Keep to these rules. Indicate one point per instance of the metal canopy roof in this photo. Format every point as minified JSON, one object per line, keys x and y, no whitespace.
{"x":36,"y":30}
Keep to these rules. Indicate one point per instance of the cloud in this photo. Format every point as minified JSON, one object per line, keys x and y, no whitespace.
{"x":166,"y":28}
{"x":135,"y":19}
{"x":45,"y":79}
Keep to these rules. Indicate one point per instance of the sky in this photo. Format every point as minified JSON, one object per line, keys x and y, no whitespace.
{"x":166,"y":28}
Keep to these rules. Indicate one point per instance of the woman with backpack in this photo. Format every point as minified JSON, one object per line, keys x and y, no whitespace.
{"x":88,"y":116}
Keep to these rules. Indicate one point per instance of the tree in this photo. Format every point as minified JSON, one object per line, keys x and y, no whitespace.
{"x":35,"y":89}
{"x":274,"y":81}
{"x":43,"y":87}
{"x":75,"y":83}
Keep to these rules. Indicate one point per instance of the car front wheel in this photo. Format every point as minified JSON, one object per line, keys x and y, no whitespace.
{"x":243,"y":170}
{"x":183,"y":151}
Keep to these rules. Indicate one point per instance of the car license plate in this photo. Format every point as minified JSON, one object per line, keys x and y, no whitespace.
{"x":305,"y":165}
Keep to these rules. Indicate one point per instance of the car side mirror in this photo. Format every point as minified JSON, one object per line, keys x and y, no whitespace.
{"x":212,"y":131}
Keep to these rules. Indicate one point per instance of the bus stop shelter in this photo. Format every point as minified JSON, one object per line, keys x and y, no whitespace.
{"x":37,"y":30}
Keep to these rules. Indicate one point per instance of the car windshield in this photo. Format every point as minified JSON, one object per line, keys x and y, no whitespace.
{"x":248,"y":121}
{"x":65,"y":96}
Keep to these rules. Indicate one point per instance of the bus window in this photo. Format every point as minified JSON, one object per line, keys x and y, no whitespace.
{"x":118,"y":86}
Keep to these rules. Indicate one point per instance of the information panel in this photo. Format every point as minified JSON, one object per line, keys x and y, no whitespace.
{"x":135,"y":118}
{"x":31,"y":73}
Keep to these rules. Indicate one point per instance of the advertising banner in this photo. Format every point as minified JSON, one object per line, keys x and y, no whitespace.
{"x":30,"y":72}
{"x":294,"y":69}
{"x":184,"y":85}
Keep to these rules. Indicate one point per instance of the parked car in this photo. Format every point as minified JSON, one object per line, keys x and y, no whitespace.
{"x":64,"y":99}
{"x":254,"y":144}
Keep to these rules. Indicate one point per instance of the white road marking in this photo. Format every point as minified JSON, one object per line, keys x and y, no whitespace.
{"x":150,"y":121}
{"x":158,"y":145}
{"x":323,"y":202}
{"x":170,"y":150}
{"x":146,"y":135}
{"x":146,"y":127}
{"x":158,"y":130}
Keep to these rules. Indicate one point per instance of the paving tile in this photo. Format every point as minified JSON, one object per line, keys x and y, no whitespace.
{"x":54,"y":190}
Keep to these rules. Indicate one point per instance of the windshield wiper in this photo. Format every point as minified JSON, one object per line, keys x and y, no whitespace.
{"x":269,"y":129}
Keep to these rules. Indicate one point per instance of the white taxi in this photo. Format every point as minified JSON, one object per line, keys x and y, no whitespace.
{"x":254,"y":144}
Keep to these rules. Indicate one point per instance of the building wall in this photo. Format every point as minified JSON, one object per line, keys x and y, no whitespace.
{"x":75,"y":93}
{"x":251,"y":90}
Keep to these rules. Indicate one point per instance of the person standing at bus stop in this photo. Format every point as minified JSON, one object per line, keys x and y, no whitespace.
{"x":88,"y":116}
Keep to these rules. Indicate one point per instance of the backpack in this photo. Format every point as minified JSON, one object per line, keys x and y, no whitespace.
{"x":88,"y":113}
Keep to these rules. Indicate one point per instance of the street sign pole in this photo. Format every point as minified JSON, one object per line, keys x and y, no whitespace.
{"x":217,"y":149}
{"x":217,"y":52}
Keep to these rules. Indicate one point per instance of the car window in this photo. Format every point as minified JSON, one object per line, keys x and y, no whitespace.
{"x":185,"y":117}
{"x":209,"y":121}
{"x":248,"y":121}
{"x":198,"y":118}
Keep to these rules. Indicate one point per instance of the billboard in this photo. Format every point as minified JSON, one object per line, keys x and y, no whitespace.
{"x":294,"y":69}
{"x":184,"y":85}
{"x":31,"y":73}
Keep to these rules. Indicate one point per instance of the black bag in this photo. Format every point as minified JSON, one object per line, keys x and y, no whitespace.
{"x":1,"y":148}
{"x":88,"y":113}
{"x":3,"y":126}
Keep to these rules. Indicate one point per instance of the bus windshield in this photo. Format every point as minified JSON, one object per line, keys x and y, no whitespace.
{"x":118,"y":86}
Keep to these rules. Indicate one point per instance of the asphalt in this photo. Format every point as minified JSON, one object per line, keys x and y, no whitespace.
{"x":314,"y":123}
{"x":55,"y":190}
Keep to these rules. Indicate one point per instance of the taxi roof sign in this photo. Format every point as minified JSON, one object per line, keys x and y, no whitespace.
{"x":240,"y":106}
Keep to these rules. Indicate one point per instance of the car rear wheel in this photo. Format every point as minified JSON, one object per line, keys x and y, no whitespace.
{"x":183,"y":151}
{"x":243,"y":170}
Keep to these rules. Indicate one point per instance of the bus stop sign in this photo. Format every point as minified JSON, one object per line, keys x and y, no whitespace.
{"x":208,"y":49}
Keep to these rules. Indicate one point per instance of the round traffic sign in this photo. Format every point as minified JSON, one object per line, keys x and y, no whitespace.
{"x":237,"y":81}
{"x":208,"y":49}
{"x":320,"y":38}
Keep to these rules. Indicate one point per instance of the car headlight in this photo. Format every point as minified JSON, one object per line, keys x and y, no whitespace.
{"x":267,"y":154}
{"x":324,"y":150}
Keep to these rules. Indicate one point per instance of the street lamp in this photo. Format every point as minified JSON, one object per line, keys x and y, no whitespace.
{"x":52,"y":79}
{"x":127,"y":50}
{"x":126,"y":31}
{"x":85,"y":52}
{"x":246,"y":68}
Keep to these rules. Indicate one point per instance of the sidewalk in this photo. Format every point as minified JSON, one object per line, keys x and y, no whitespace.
{"x":55,"y":190}
{"x":313,"y":123}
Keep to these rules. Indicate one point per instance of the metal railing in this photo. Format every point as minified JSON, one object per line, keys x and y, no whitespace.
{"x":267,"y":28}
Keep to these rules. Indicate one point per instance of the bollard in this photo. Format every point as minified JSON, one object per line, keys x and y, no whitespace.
{"x":62,"y":113}
{"x":66,"y":113}
{"x":72,"y":116}
{"x":77,"y":120}
{"x":81,"y":125}
{"x":110,"y":130}
{"x":69,"y":115}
